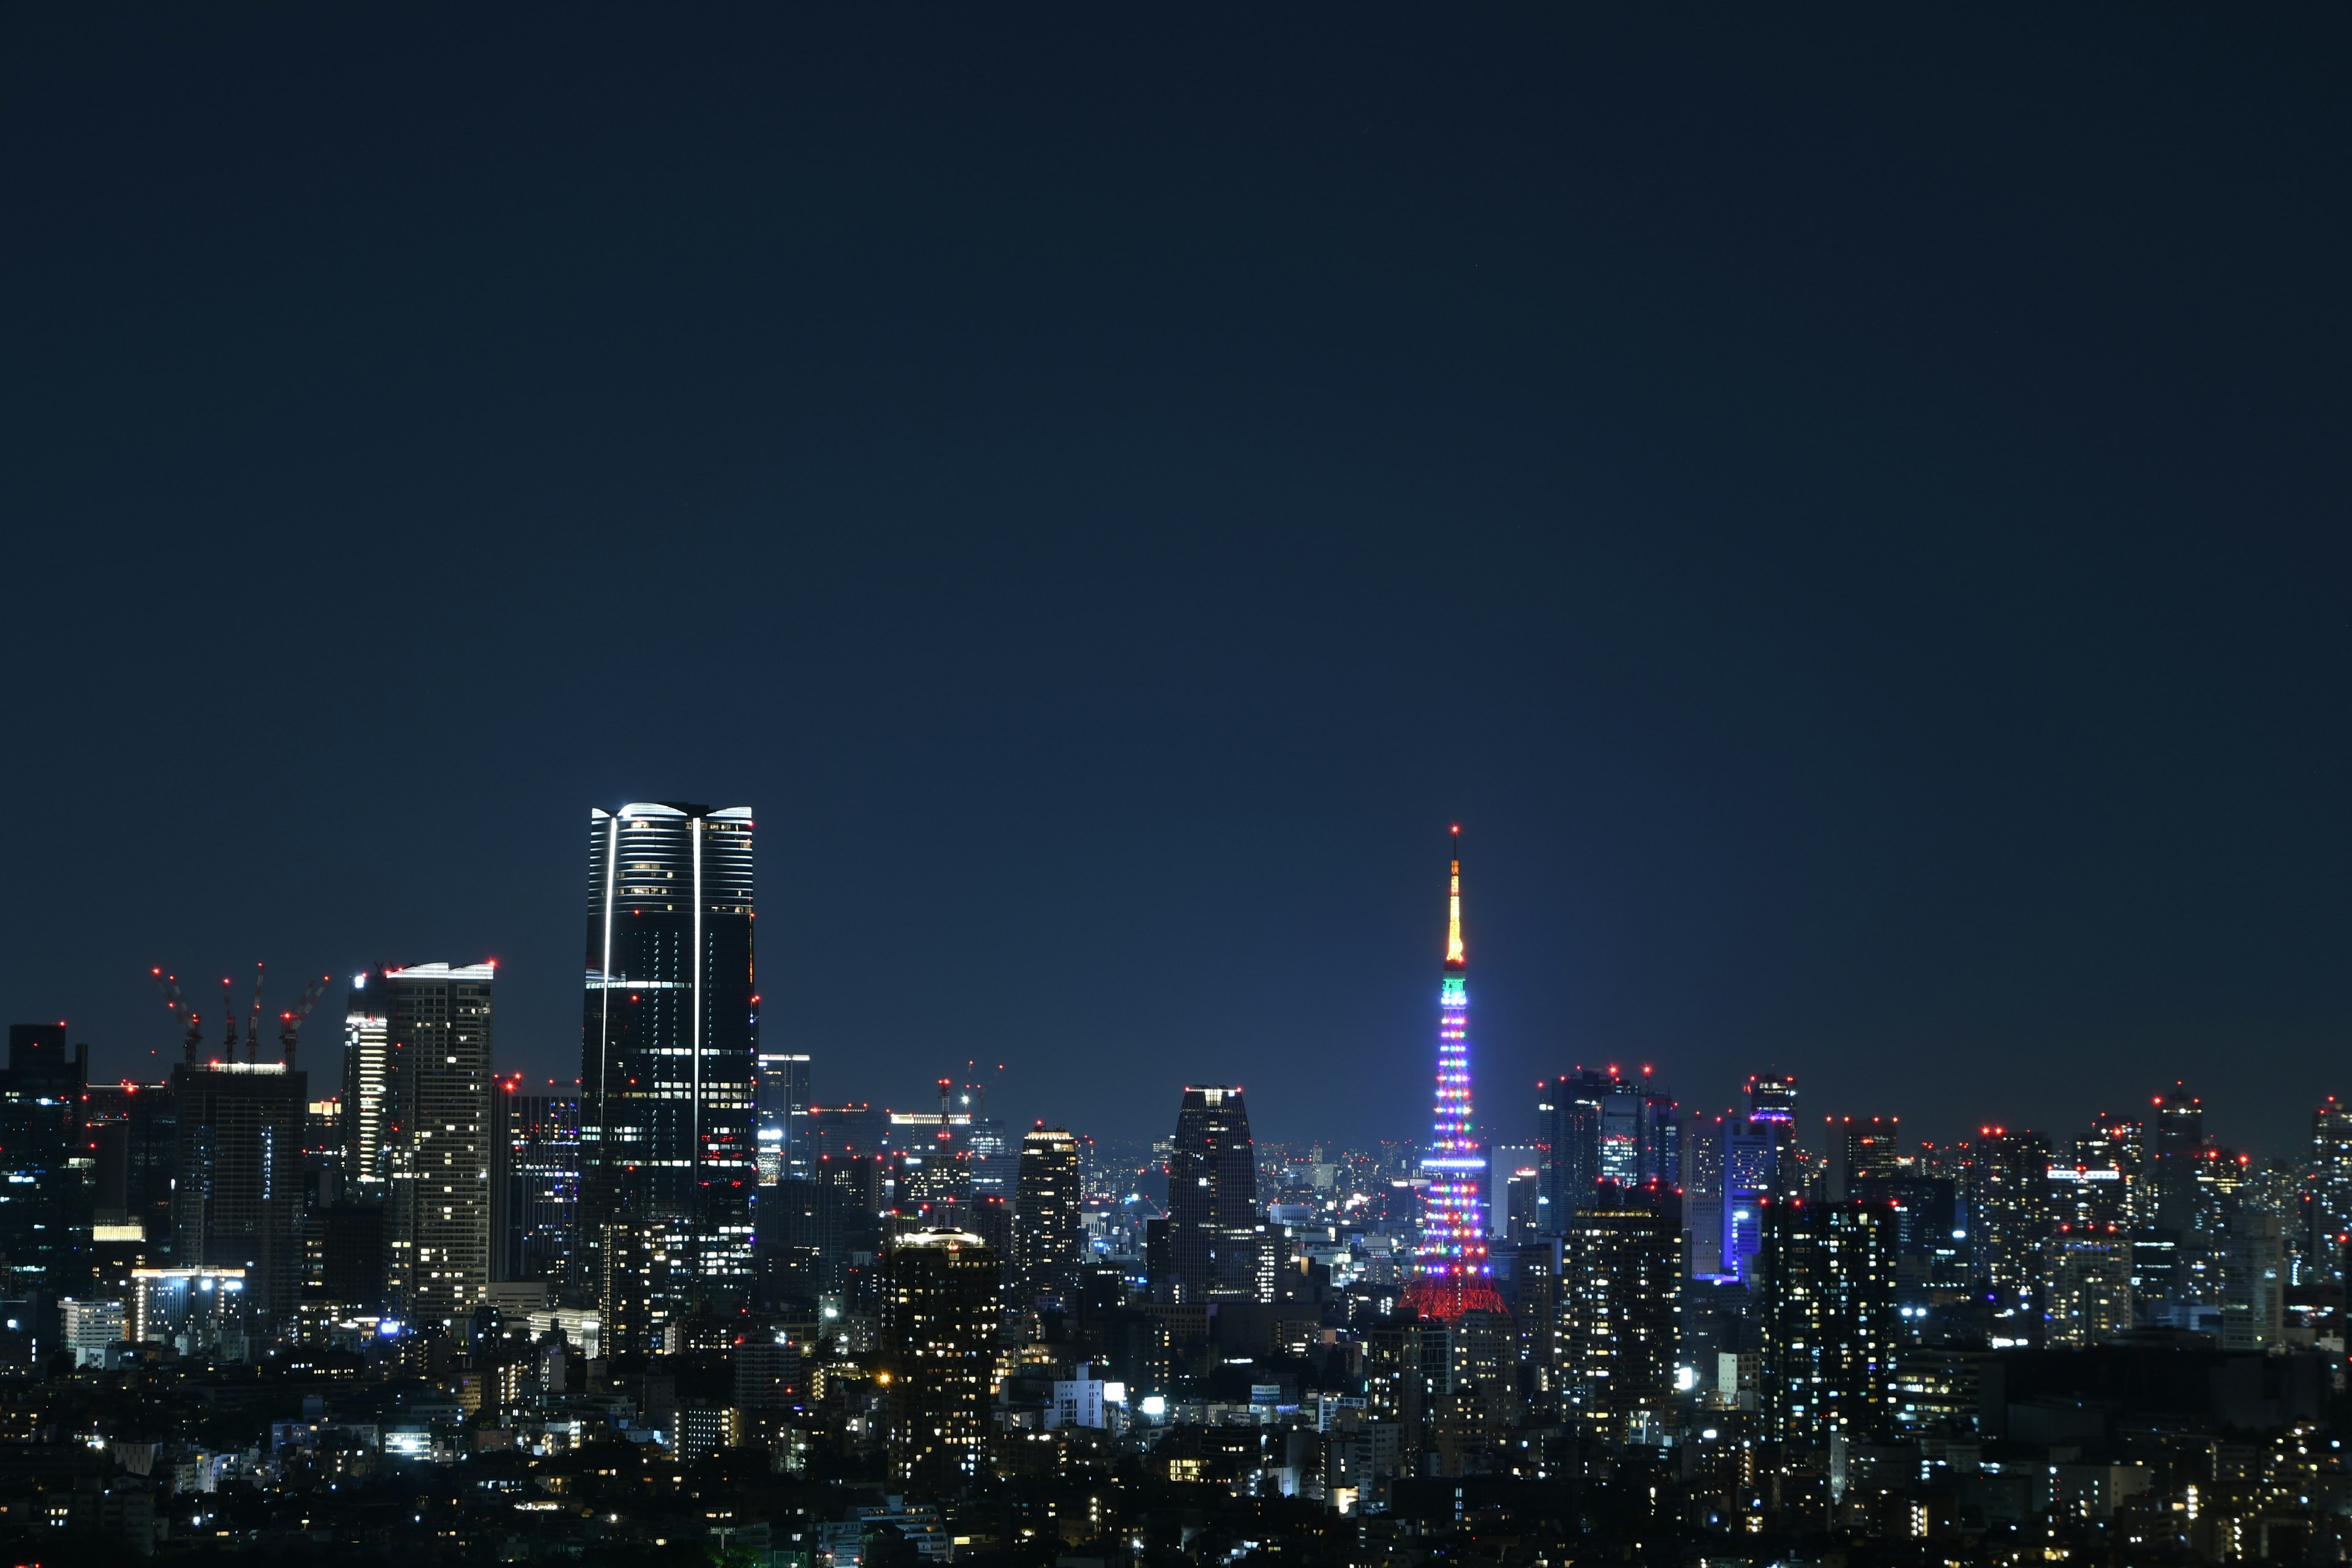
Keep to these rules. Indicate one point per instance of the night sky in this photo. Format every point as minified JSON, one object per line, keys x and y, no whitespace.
{"x":1848,"y":511}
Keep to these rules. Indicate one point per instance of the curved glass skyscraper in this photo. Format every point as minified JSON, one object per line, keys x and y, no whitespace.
{"x":669,"y":1038}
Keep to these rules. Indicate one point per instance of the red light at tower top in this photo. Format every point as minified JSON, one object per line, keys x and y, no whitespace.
{"x":1452,"y":1275}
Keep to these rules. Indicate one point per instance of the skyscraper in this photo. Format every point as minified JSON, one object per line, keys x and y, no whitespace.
{"x":1212,"y":1236}
{"x":668,"y":1047}
{"x":1621,"y":1311}
{"x":1047,"y":1243}
{"x":784,"y":1116}
{"x":534,"y":1183}
{"x":367,"y":1081}
{"x":940,"y":1318}
{"x":437,"y":1137}
{"x":45,"y":1234}
{"x":237,"y":1196}
{"x":1451,"y":1274}
{"x":1829,"y":1321}
{"x":2330,"y":1202}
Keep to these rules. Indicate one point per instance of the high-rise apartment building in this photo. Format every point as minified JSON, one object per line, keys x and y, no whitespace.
{"x":1213,"y":1219}
{"x":367,"y":1088}
{"x":1621,"y":1312}
{"x":437,"y":1136}
{"x":1829,"y":1322}
{"x":670,"y":1046}
{"x":940,"y":1317}
{"x":534,"y":1183}
{"x":2328,"y":1223}
{"x":2089,"y":1288}
{"x":2009,"y":1215}
{"x":1047,"y":1242}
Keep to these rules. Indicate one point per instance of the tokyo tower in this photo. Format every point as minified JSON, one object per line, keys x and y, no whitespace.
{"x":1451,"y":1274}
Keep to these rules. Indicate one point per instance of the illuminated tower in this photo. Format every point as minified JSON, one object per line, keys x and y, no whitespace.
{"x":670,"y":1045}
{"x":1451,"y":1274}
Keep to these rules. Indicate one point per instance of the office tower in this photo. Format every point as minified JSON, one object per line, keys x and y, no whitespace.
{"x":1212,"y":1218}
{"x":534,"y":1183}
{"x":2090,"y":1292}
{"x":2009,"y":1210}
{"x":1568,"y":1130}
{"x":1503,"y":1163}
{"x":839,"y":1130}
{"x":1702,"y":1182}
{"x":784,"y":1116}
{"x":367,"y":1086}
{"x":1829,"y":1322}
{"x":1047,"y":1243}
{"x":1621,"y":1312}
{"x":2330,"y":1202}
{"x":670,"y":1046}
{"x":940,"y":1318}
{"x":1518,"y":1204}
{"x":2253,"y":1284}
{"x":1758,"y":1163}
{"x":932,"y":1154}
{"x":1450,"y":1273}
{"x":436,"y":1136}
{"x":994,"y":1160}
{"x":1863,"y":1153}
{"x":237,"y":1196}
{"x":45,"y":1220}
{"x":2180,"y":1153}
{"x":135,"y":1141}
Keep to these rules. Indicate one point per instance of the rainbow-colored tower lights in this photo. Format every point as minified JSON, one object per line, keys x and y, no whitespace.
{"x":1452,"y":1274}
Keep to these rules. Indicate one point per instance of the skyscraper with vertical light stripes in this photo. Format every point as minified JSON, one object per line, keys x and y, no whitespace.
{"x":1450,"y":1273}
{"x":670,"y":1039}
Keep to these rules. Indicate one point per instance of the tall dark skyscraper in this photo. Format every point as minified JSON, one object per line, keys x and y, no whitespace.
{"x":669,"y":1038}
{"x":534,"y":1183}
{"x":1596,"y":1126}
{"x":785,"y":1131}
{"x":1047,"y":1243}
{"x":44,"y":1233}
{"x":1213,"y":1238}
{"x":237,"y":1196}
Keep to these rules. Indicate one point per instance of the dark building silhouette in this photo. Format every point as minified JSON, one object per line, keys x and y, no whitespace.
{"x":45,"y":1234}
{"x":237,"y":1198}
{"x":534,"y":1183}
{"x":1212,"y":1235}
{"x":668,"y":1058}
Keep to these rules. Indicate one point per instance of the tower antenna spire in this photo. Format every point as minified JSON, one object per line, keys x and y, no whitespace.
{"x":1452,"y":1275}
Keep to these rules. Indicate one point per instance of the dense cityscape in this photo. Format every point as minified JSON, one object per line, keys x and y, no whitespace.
{"x":317,"y":1295}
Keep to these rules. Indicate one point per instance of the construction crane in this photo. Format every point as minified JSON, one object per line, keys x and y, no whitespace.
{"x":290,"y":1024}
{"x":182,"y":1010}
{"x":228,"y":1011}
{"x":252,"y":1019}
